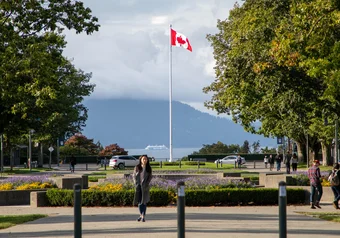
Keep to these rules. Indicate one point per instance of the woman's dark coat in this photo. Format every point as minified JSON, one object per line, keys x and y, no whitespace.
{"x":142,"y":191}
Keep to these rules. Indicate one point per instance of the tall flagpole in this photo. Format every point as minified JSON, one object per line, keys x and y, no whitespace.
{"x":170,"y":93}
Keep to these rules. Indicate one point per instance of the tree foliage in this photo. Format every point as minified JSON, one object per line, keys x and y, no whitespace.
{"x":113,"y":149}
{"x":79,"y":141}
{"x":221,"y":148}
{"x":40,"y":89}
{"x":277,"y":63}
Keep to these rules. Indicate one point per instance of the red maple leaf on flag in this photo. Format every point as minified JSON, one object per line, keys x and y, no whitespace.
{"x":180,"y":40}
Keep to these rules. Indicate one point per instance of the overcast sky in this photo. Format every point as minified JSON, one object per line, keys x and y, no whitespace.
{"x":129,"y":56}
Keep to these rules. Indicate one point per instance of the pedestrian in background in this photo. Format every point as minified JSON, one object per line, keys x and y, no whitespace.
{"x":271,"y":162}
{"x":335,"y":185}
{"x":314,"y":176}
{"x":294,"y":162}
{"x":265,"y":160}
{"x":278,"y":162}
{"x":142,"y":176}
{"x":73,"y":162}
{"x":239,"y":161}
{"x":287,"y":159}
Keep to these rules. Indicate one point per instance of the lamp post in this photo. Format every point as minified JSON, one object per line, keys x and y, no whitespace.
{"x":2,"y":153}
{"x":336,"y":151}
{"x":31,"y":131}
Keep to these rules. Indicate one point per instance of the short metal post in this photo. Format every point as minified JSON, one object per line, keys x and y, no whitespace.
{"x":160,"y":164}
{"x":180,"y":209}
{"x":180,"y":164}
{"x":105,"y":164}
{"x":235,"y":164}
{"x":254,"y":164}
{"x":282,"y":210}
{"x":77,"y":210}
{"x":217,"y":164}
{"x":86,"y":166}
{"x":198,"y":164}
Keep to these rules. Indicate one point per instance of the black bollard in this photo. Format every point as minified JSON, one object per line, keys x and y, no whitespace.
{"x":160,"y":164}
{"x":77,"y":210}
{"x":180,"y":209}
{"x":282,"y":210}
{"x":180,"y":164}
{"x":86,"y":166}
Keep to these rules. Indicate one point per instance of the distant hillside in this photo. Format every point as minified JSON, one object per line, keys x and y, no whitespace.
{"x":138,"y":123}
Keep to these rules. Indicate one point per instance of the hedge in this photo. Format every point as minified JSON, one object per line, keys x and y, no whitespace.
{"x":228,"y":196}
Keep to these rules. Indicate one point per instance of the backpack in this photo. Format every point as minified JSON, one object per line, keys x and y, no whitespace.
{"x":334,"y":178}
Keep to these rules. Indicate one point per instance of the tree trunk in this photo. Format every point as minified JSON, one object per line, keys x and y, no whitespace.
{"x":301,"y":152}
{"x":326,"y":154}
{"x":41,"y":156}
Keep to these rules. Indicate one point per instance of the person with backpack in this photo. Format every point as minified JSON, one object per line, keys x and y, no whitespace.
{"x":335,"y":184}
{"x":314,"y":176}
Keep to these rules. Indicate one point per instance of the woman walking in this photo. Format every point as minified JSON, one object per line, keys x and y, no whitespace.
{"x":142,"y":176}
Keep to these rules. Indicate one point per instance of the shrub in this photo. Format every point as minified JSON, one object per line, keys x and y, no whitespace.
{"x":160,"y":197}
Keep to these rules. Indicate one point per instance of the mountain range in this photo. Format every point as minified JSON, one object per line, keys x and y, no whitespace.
{"x":138,"y":123}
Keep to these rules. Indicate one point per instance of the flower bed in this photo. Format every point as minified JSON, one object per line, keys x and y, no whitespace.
{"x":26,"y":183}
{"x":118,"y":184}
{"x":300,"y":178}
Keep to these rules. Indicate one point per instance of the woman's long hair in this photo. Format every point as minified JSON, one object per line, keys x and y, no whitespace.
{"x":147,"y":167}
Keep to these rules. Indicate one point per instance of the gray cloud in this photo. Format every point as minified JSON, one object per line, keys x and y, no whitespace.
{"x":129,"y":56}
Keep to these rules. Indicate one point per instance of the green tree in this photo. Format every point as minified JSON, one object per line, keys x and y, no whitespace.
{"x":245,"y":148}
{"x":40,"y":88}
{"x":265,"y":68}
{"x":256,"y":147}
{"x":218,"y":148}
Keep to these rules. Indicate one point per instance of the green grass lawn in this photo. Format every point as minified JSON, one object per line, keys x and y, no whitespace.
{"x":208,"y":165}
{"x":24,"y":171}
{"x":8,"y":221}
{"x":328,"y":216}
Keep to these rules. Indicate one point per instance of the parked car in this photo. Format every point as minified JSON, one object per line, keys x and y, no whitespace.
{"x":122,"y":161}
{"x":230,"y":159}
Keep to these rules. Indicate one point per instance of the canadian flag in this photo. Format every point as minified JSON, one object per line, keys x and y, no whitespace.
{"x":180,"y":40}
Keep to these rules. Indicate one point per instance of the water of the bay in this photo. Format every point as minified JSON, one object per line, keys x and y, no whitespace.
{"x":163,"y":155}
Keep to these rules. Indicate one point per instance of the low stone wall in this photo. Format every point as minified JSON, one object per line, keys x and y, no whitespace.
{"x":68,"y":181}
{"x":327,"y":195}
{"x":16,"y":197}
{"x":38,"y":199}
{"x":264,"y":177}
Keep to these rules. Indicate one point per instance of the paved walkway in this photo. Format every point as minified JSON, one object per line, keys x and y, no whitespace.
{"x":162,"y":222}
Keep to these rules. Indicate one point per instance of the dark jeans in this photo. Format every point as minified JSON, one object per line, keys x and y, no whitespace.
{"x":278,"y":166}
{"x":294,"y":166}
{"x":288,"y":168}
{"x":336,"y":192}
{"x":313,"y":189}
{"x":142,"y":209}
